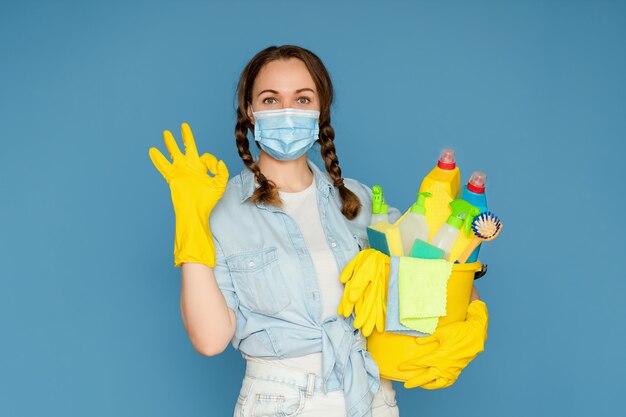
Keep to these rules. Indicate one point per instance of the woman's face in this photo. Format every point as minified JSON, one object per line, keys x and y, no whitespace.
{"x":284,"y":84}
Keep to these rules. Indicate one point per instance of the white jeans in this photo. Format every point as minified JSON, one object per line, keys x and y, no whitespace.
{"x":276,"y":391}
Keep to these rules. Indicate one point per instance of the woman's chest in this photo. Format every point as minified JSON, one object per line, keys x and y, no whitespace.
{"x":270,"y":255}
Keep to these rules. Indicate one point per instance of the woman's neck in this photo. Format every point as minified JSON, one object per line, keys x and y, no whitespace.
{"x":289,"y":176}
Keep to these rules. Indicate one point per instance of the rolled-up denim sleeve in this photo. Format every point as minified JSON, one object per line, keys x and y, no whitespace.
{"x":223,"y":277}
{"x":394,"y":214}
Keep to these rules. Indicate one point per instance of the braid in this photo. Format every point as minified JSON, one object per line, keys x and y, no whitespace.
{"x":267,"y":191}
{"x":351,"y":204}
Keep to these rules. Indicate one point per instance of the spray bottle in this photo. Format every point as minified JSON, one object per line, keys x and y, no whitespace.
{"x":462,"y":216}
{"x":443,"y":182}
{"x":473,"y":193}
{"x":382,"y":235}
{"x":413,"y":225}
{"x":380,"y":211}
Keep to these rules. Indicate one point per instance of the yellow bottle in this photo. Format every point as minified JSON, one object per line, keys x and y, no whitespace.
{"x":443,"y":182}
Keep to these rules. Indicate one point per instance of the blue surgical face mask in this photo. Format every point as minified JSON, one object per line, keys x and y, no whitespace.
{"x":286,"y":134}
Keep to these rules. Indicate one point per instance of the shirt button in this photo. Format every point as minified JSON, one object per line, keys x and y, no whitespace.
{"x":251,"y":264}
{"x":333,"y":244}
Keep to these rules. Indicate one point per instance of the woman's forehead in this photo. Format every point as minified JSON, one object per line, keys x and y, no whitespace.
{"x":284,"y":76}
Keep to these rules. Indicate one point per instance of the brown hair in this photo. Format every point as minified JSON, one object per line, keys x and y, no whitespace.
{"x":267,"y":191}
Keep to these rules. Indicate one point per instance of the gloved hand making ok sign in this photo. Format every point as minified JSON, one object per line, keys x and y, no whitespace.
{"x":194,"y":194}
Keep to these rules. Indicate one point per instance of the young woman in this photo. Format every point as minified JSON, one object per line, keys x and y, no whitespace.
{"x":265,"y":274}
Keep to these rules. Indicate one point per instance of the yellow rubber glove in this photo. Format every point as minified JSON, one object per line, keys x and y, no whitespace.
{"x":194,"y":194}
{"x":350,"y":296}
{"x":458,"y":344}
{"x":365,"y":292}
{"x":374,"y":300}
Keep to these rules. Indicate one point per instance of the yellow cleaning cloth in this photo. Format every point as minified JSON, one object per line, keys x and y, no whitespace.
{"x":422,"y":292}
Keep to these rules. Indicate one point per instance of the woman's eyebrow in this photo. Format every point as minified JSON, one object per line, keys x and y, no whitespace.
{"x":267,"y":91}
{"x":276,"y":92}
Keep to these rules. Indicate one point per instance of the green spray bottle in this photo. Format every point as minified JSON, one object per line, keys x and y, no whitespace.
{"x":462,"y":216}
{"x":380,"y":211}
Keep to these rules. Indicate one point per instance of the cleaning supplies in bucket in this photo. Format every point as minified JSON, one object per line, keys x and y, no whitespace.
{"x":383,"y":288}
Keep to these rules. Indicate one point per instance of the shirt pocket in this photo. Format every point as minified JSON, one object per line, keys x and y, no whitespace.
{"x":258,"y":280}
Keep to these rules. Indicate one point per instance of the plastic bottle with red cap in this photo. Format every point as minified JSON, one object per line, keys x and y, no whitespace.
{"x":447,"y":160}
{"x":443,"y":183}
{"x":474,"y":193}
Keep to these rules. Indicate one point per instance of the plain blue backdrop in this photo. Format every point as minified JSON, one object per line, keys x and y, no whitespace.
{"x":532,"y":92}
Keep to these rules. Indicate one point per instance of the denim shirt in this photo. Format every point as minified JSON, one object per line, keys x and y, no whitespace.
{"x":266,"y":274}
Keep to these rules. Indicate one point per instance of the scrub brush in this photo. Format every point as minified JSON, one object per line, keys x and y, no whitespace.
{"x":486,"y":227}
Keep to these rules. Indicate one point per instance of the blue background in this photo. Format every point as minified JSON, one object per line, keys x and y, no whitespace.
{"x":533,"y":93}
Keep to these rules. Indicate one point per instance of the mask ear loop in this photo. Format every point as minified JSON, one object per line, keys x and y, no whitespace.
{"x":256,"y":154}
{"x":251,"y":109}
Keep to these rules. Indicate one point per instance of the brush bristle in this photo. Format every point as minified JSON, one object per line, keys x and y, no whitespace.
{"x":486,"y":225}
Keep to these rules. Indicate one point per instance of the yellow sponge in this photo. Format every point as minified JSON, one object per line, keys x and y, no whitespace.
{"x":386,"y":238}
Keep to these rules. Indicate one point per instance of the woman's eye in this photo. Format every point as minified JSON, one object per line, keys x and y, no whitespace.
{"x":306,"y":100}
{"x":269,"y":98}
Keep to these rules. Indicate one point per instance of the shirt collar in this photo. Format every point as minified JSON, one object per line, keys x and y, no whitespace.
{"x":322,"y":181}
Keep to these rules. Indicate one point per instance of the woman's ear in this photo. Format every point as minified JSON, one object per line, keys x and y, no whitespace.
{"x":249,"y":112}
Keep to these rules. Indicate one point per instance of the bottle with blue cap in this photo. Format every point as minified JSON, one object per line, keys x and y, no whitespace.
{"x":474,"y":193}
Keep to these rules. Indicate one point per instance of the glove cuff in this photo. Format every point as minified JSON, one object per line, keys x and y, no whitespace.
{"x":193,"y":243}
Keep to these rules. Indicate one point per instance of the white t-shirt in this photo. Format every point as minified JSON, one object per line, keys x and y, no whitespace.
{"x":302,"y":207}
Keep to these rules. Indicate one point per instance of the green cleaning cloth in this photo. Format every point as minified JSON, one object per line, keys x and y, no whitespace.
{"x":422,"y":292}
